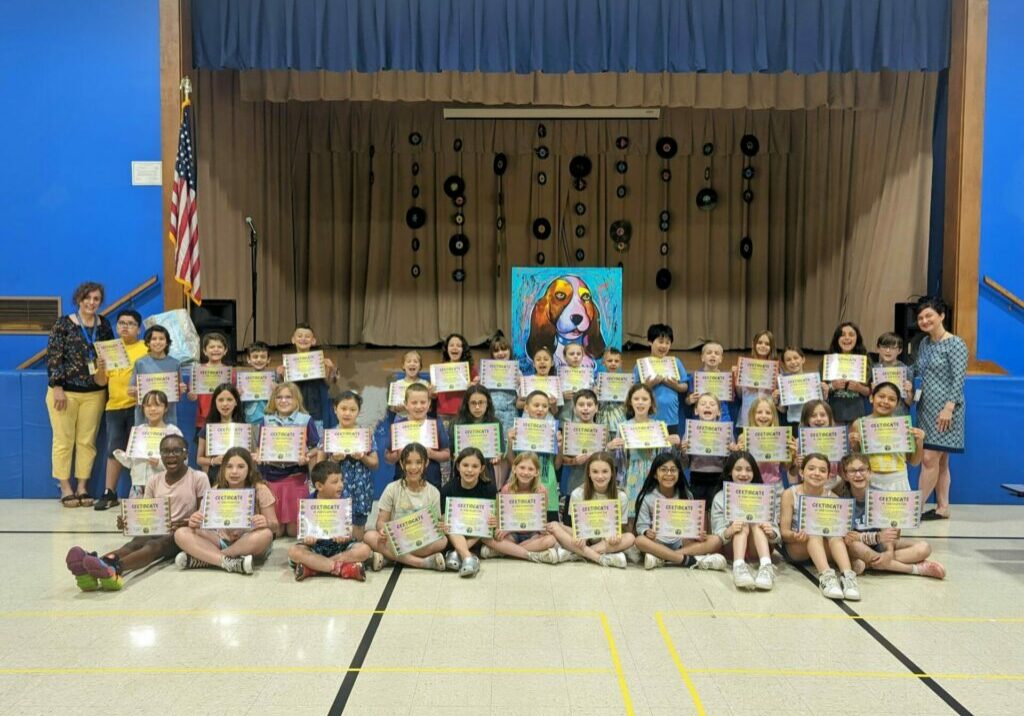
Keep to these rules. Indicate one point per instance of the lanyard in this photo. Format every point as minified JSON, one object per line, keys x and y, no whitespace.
{"x":88,"y":336}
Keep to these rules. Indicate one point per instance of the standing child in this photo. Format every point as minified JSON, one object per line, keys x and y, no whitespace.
{"x":412,"y":371}
{"x":741,"y":467}
{"x":471,"y":481}
{"x":417,"y":404}
{"x":454,"y":349}
{"x":763,"y":414}
{"x":154,"y":407}
{"x":356,"y":468}
{"x":666,"y":481}
{"x":793,"y":364}
{"x":504,"y":400}
{"x":574,"y":466}
{"x":233,"y":550}
{"x":538,"y":407}
{"x":665,"y":390}
{"x":815,"y":414}
{"x":316,"y":394}
{"x":711,"y":355}
{"x":573,"y":359}
{"x":477,"y":409}
{"x":227,"y":408}
{"x":889,"y":347}
{"x":407,"y":494}
{"x":705,"y":470}
{"x":846,"y":397}
{"x":762,"y":348}
{"x":341,"y":557}
{"x":158,"y":341}
{"x":531,"y":546}
{"x":214,"y":347}
{"x":821,"y":551}
{"x":543,"y":365}
{"x":888,"y":470}
{"x":257,"y":357}
{"x":611,"y":413}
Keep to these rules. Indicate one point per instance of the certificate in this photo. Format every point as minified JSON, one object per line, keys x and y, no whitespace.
{"x":405,"y":432}
{"x":325,"y":519}
{"x":799,"y":388}
{"x":255,"y":384}
{"x":535,"y":435}
{"x":757,"y":373}
{"x":749,"y":502}
{"x":768,"y":444}
{"x":146,"y":516}
{"x":678,"y":519}
{"x":596,"y":519}
{"x":845,"y":366}
{"x":896,"y":374}
{"x":652,"y":367}
{"x":221,"y":436}
{"x":831,"y":442}
{"x":646,"y":435}
{"x":583,"y":438}
{"x":901,"y":510}
{"x":613,"y":387}
{"x":412,"y":532}
{"x":547,"y":384}
{"x":144,"y":442}
{"x":885,"y":436}
{"x":282,"y":443}
{"x":164,"y":382}
{"x":499,"y":374}
{"x":716,"y":383}
{"x":450,"y":377}
{"x":206,"y":378}
{"x":113,"y":353}
{"x":825,"y":516}
{"x":522,"y":512}
{"x":304,"y":366}
{"x":708,"y":437}
{"x":228,"y":509}
{"x":485,"y":437}
{"x":574,"y":379}
{"x":346,"y":441}
{"x":469,"y":516}
{"x":396,"y":391}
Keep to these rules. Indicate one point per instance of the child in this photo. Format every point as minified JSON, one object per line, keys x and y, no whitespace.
{"x":455,"y":349}
{"x":611,"y":413}
{"x":407,"y":494}
{"x":888,"y":470}
{"x":801,"y":546}
{"x":412,"y":370}
{"x":573,"y":359}
{"x":470,"y":480}
{"x":762,"y":348}
{"x":504,"y":400}
{"x":666,"y":480}
{"x":793,"y":364}
{"x":341,"y":557}
{"x":763,"y":414}
{"x":477,"y":408}
{"x":417,"y":403}
{"x":315,"y":392}
{"x":882,"y":550}
{"x":214,"y":347}
{"x":846,"y":397}
{"x":356,"y":468}
{"x":158,"y":341}
{"x":741,"y":467}
{"x":257,"y":357}
{"x":705,"y":470}
{"x":532,"y":546}
{"x":711,"y":355}
{"x":889,"y":347}
{"x":184,"y":486}
{"x":816,"y":414}
{"x":227,"y":408}
{"x":598,"y":484}
{"x":665,"y":390}
{"x":543,"y":364}
{"x":287,"y":481}
{"x":154,"y":407}
{"x":538,"y":407}
{"x":233,"y":550}
{"x":584,"y":404}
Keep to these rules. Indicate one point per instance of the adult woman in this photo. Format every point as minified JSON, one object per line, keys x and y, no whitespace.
{"x":942,"y":367}
{"x":74,"y":401}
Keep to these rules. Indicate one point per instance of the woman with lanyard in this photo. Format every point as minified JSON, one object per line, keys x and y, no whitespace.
{"x":941,"y":367}
{"x":74,"y":400}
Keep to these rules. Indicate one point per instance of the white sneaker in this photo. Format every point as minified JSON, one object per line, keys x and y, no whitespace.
{"x":652,"y":562}
{"x":548,"y":556}
{"x":470,"y":566}
{"x":829,"y":584}
{"x":634,"y":555}
{"x":714,"y":562}
{"x":436,"y":561}
{"x":741,"y":576}
{"x":765,"y":578}
{"x":453,"y":561}
{"x":565,"y":555}
{"x":851,"y":590}
{"x":489,"y":553}
{"x":122,"y":457}
{"x":377,"y":562}
{"x":617,"y":560}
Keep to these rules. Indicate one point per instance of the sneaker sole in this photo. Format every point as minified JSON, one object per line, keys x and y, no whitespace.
{"x":98,"y":569}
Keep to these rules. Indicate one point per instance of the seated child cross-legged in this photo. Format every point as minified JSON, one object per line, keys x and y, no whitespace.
{"x":469,"y":481}
{"x":532,"y":546}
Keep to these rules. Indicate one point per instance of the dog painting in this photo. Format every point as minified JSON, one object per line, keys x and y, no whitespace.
{"x":554,"y":307}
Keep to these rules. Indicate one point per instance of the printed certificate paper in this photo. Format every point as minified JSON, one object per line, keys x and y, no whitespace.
{"x":346,"y":441}
{"x":499,"y":374}
{"x":884,"y":436}
{"x":164,"y":382}
{"x":450,"y":377}
{"x":799,"y":388}
{"x":485,"y":437}
{"x":583,"y":438}
{"x":222,"y":436}
{"x":412,"y":532}
{"x":574,"y":379}
{"x":144,"y":442}
{"x":749,"y":502}
{"x":757,"y":373}
{"x":678,"y":519}
{"x":304,"y":366}
{"x":708,"y":437}
{"x":825,"y":516}
{"x":423,"y":432}
{"x":522,"y":513}
{"x":146,"y":516}
{"x":206,"y":378}
{"x":254,"y":384}
{"x":832,"y":442}
{"x":282,"y":443}
{"x":768,"y":444}
{"x":535,"y":435}
{"x":897,"y":374}
{"x":548,"y":384}
{"x":845,"y":366}
{"x":643,"y":436}
{"x":596,"y":519}
{"x":228,"y":509}
{"x":396,"y":391}
{"x":650,"y":368}
{"x":325,"y":519}
{"x":901,"y":510}
{"x":613,"y":387}
{"x":113,"y":353}
{"x":716,"y":383}
{"x":469,"y":516}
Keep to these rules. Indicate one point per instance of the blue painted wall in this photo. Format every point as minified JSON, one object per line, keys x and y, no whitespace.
{"x":82,"y":86}
{"x":1000,"y":329}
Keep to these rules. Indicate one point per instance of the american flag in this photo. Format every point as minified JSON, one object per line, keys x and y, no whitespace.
{"x":184,"y":233}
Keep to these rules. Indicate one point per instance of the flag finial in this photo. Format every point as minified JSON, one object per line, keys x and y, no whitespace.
{"x":185,"y":87}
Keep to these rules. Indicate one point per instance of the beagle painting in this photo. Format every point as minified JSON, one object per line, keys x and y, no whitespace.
{"x":566,"y":312}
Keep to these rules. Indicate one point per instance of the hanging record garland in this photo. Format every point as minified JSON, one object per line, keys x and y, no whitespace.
{"x":580,"y":167}
{"x":455,"y":189}
{"x":541,"y":226}
{"x":621,"y":231}
{"x":749,"y":147}
{"x":707,"y":198}
{"x":666,"y":148}
{"x":500,"y":167}
{"x":415,"y":216}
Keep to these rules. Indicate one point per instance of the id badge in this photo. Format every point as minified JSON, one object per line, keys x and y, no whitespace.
{"x":92,"y":367}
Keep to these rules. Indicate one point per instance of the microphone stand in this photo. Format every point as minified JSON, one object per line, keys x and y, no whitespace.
{"x":252,"y":266}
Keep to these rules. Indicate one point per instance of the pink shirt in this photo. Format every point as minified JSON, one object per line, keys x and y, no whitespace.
{"x":186,"y":494}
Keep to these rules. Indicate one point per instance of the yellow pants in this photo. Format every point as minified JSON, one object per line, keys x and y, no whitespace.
{"x":74,"y":430}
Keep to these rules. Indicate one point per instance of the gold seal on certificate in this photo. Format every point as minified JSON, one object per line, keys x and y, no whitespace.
{"x":832,"y":442}
{"x":799,"y":388}
{"x":146,"y":516}
{"x":144,"y":442}
{"x":325,"y":519}
{"x":282,"y":443}
{"x":885,"y":436}
{"x":167,"y":383}
{"x":708,"y":437}
{"x":228,"y":509}
{"x":499,"y":374}
{"x":895,"y":509}
{"x":485,"y":437}
{"x":749,"y":502}
{"x":547,"y":384}
{"x":450,"y":377}
{"x":895,"y":374}
{"x":220,"y":437}
{"x":469,"y":516}
{"x":678,"y":519}
{"x":652,"y":367}
{"x":346,"y":441}
{"x":113,"y":353}
{"x":647,"y":435}
{"x":757,"y":373}
{"x":596,"y":519}
{"x":716,"y":383}
{"x":304,"y":366}
{"x":583,"y":438}
{"x":613,"y":387}
{"x":825,"y":516}
{"x":254,"y":384}
{"x":396,"y":391}
{"x":412,"y":532}
{"x":206,"y":377}
{"x":845,"y":366}
{"x":535,"y":435}
{"x":768,"y":444}
{"x":404,"y":432}
{"x":522,"y":512}
{"x":574,"y":379}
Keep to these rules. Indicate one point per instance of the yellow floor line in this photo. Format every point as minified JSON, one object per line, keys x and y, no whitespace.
{"x":256,"y":669}
{"x":168,"y":613}
{"x":627,"y":700}
{"x":856,"y":674}
{"x":844,"y":617}
{"x":694,"y":696}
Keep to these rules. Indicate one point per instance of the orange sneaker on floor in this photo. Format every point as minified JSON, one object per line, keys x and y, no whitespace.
{"x":349,"y":570}
{"x":929,"y":568}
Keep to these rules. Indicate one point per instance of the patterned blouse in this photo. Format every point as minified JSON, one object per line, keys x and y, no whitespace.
{"x":68,"y":354}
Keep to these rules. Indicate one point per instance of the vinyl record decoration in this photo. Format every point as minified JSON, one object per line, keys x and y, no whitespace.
{"x":749,"y":147}
{"x":500,"y":167}
{"x":666,"y":148}
{"x":416,"y":216}
{"x":621,"y":231}
{"x":455,"y":189}
{"x":707,"y":198}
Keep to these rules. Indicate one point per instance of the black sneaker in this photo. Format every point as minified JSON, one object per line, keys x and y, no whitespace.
{"x":108,"y":500}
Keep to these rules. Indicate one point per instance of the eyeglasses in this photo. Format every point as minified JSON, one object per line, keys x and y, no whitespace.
{"x":172,"y":451}
{"x":669,"y":469}
{"x":857,"y":471}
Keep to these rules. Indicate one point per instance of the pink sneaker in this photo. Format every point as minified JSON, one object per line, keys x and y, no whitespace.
{"x":928,"y":568}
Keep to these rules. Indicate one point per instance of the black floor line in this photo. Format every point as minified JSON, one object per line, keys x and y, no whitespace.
{"x":349,"y":682}
{"x":913,"y":668}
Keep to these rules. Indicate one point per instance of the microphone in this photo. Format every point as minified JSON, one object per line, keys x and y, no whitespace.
{"x":252,"y":228}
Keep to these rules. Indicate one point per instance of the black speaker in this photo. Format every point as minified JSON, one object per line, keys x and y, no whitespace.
{"x":218,"y":315}
{"x":905,"y":326}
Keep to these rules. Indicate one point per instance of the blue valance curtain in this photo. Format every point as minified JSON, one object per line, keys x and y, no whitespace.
{"x":579,"y":36}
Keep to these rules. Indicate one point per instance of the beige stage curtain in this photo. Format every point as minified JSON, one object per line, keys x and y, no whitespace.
{"x":839,"y":219}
